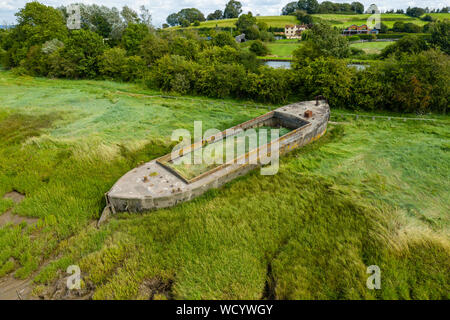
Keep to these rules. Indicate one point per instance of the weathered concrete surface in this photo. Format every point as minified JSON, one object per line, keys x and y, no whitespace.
{"x":153,"y":186}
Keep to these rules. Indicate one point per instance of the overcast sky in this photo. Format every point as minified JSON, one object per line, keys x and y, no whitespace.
{"x":160,"y":9}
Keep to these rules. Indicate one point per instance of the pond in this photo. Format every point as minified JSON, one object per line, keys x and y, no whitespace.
{"x":278,"y":64}
{"x":358,"y":67}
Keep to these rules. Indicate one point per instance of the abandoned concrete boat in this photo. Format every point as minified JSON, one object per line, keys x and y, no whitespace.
{"x":158,"y":184}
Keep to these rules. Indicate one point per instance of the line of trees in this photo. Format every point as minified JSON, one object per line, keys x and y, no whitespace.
{"x":414,"y":76}
{"x":188,"y":16}
{"x":313,"y":6}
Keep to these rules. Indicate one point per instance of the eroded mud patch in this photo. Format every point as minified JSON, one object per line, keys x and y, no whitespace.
{"x":59,"y":291}
{"x":14,"y":289}
{"x":156,"y":289}
{"x":8,"y":217}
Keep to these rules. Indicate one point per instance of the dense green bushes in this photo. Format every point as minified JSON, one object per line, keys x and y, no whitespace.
{"x":413,"y":77}
{"x":79,"y":58}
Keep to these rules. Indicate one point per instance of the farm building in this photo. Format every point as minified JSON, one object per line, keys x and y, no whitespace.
{"x":362,"y":29}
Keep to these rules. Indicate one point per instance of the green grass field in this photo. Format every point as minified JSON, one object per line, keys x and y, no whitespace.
{"x":371,"y":47}
{"x":272,"y":21}
{"x":337,"y":20}
{"x":282,"y":49}
{"x":368,"y":192}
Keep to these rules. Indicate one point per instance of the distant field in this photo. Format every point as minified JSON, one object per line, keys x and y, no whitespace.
{"x":272,"y":21}
{"x":371,"y":47}
{"x":338,"y":20}
{"x":281,"y":49}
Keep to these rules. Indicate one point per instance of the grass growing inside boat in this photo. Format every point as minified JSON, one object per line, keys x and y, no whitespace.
{"x":215,"y":154}
{"x":368,"y":192}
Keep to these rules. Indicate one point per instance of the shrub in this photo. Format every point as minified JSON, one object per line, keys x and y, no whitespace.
{"x":325,"y":76}
{"x":153,"y":48}
{"x":268,"y":85}
{"x":79,"y":57}
{"x":112,"y":62}
{"x":322,"y":41}
{"x":353,"y":38}
{"x":215,"y":55}
{"x":166,"y":71}
{"x":220,"y":80}
{"x":440,"y":36}
{"x":222,"y":39}
{"x":181,"y":46}
{"x":406,"y":45}
{"x":133,"y":36}
{"x":259,"y":48}
{"x":417,"y":83}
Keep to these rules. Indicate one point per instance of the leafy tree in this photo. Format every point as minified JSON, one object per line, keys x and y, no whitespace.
{"x":105,"y":21}
{"x":323,"y":41}
{"x":184,"y":23}
{"x":181,"y":46}
{"x":412,"y":28}
{"x":253,"y":33}
{"x":112,"y":62}
{"x":79,"y":57}
{"x":172,"y":19}
{"x":312,"y":6}
{"x":398,"y":26}
{"x":325,"y":76}
{"x":133,"y":36}
{"x":196,"y":23}
{"x":129,"y":15}
{"x":232,"y":9}
{"x":145,"y":17}
{"x":214,"y":55}
{"x":153,"y":48}
{"x":258,"y":48}
{"x":427,"y":18}
{"x":175,"y":73}
{"x":289,"y":8}
{"x":216,"y":15}
{"x":326,"y":7}
{"x":383,"y":28}
{"x":222,"y":39}
{"x":245,"y":21}
{"x":191,"y":15}
{"x":36,"y":24}
{"x":440,"y":36}
{"x":416,"y":83}
{"x":302,"y":5}
{"x":357,"y":7}
{"x":303,"y":17}
{"x":415,"y":12}
{"x":407,"y":45}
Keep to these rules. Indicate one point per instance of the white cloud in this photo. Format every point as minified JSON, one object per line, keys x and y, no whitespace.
{"x":160,"y":9}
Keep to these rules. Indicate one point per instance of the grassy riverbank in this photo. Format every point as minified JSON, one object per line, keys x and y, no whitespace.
{"x":369,"y":192}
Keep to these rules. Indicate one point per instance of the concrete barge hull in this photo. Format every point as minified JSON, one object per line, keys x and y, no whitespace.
{"x":154,"y":185}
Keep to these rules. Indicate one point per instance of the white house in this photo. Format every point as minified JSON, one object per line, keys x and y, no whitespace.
{"x":294,"y":31}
